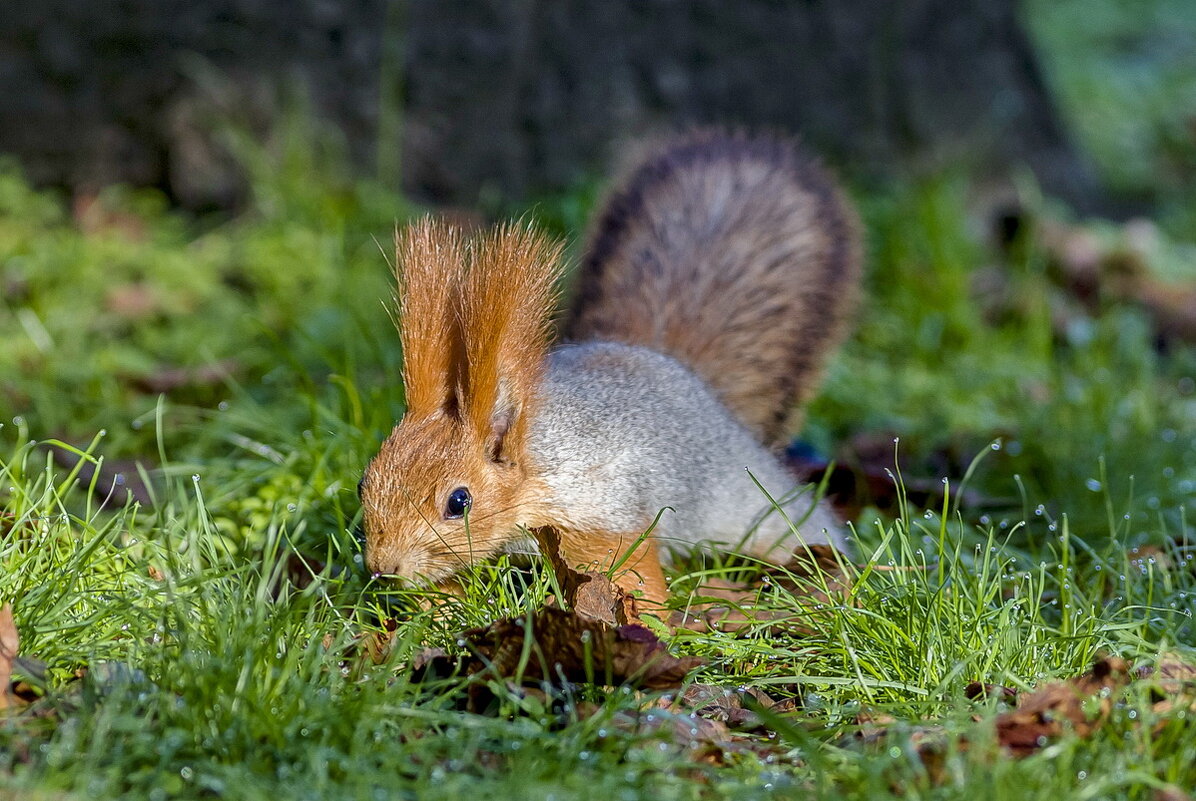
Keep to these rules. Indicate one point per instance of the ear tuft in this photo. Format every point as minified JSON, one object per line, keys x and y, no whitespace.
{"x":507,"y":302}
{"x":429,"y":268}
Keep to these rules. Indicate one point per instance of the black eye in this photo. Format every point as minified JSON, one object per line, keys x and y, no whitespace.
{"x":458,"y":501}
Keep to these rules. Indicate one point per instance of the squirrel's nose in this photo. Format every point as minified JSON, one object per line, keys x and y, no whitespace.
{"x":391,"y":565}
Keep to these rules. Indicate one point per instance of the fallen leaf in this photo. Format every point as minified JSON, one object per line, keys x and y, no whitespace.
{"x":1046,"y":713}
{"x":568,"y":646}
{"x":1080,"y":705}
{"x":588,"y":593}
{"x":976,"y":690}
{"x":1090,"y":270}
{"x":727,"y":705}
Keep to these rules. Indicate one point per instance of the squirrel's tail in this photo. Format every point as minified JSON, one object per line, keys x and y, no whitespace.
{"x":734,"y":253}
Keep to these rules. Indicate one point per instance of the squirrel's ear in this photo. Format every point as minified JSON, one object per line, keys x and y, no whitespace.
{"x":507,"y":301}
{"x":429,"y":268}
{"x":502,"y":420}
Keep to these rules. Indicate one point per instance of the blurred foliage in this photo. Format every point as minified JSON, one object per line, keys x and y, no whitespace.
{"x":1124,"y":75}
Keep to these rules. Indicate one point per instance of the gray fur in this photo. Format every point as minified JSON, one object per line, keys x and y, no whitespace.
{"x":622,"y":432}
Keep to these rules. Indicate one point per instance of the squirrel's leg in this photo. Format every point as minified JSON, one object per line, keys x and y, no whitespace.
{"x":639,"y":574}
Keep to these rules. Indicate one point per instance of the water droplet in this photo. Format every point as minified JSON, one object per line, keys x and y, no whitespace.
{"x":1093,"y":485}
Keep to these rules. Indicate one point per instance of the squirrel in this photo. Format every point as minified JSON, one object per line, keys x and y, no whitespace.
{"x":717,"y":278}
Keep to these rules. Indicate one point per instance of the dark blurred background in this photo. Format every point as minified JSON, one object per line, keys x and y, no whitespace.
{"x":468,"y":100}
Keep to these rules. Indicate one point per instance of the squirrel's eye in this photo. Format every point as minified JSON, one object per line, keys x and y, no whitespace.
{"x":458,"y":501}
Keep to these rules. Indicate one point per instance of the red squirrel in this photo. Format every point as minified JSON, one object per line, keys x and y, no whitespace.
{"x":717,"y":278}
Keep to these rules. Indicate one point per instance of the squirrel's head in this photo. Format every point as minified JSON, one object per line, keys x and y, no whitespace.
{"x":449,"y":486}
{"x":438,"y":497}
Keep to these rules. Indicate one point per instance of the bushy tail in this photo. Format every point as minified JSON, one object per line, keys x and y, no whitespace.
{"x":735,"y":254}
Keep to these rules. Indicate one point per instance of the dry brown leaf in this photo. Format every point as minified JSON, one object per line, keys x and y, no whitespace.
{"x":727,"y":705}
{"x":1090,"y":270}
{"x":589,"y":593}
{"x":10,"y":643}
{"x":565,"y":647}
{"x":1051,"y":710}
{"x":1080,"y":705}
{"x":977,"y":690}
{"x":570,"y":647}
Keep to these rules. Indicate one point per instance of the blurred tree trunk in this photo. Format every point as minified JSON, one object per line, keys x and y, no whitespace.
{"x":519,"y":96}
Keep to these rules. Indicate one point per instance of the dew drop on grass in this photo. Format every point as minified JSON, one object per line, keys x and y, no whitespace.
{"x":222,"y":406}
{"x":1040,"y":510}
{"x":136,"y":425}
{"x":195,"y":477}
{"x":292,"y":507}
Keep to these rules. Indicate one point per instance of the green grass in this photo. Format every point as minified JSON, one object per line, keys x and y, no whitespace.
{"x":188,"y":653}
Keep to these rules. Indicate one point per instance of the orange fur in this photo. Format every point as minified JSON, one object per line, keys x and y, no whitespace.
{"x":429,"y":267}
{"x":507,"y":301}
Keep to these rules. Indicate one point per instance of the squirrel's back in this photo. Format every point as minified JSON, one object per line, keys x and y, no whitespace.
{"x":735,"y":254}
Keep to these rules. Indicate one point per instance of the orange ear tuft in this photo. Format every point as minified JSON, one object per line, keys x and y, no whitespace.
{"x":429,"y":269}
{"x":507,"y":301}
